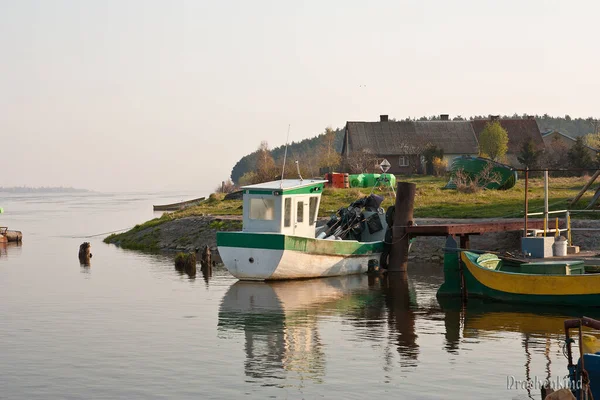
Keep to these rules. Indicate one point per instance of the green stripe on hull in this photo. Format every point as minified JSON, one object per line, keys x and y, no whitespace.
{"x":275,"y":241}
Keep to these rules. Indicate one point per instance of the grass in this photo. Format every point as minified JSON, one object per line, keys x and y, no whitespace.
{"x":130,"y":240}
{"x":431,"y":201}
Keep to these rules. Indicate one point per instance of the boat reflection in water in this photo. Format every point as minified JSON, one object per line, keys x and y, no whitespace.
{"x":8,"y":249}
{"x":541,"y":329}
{"x":280,"y":320}
{"x":291,"y":330}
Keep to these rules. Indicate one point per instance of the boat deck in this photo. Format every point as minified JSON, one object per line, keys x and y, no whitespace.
{"x":589,"y":257}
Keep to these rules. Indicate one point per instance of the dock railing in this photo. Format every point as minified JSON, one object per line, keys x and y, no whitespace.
{"x":557,"y":231}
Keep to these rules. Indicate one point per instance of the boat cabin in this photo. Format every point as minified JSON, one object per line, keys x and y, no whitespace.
{"x":288,"y":206}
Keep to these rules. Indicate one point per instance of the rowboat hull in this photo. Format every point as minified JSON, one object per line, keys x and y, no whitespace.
{"x":473,"y":166}
{"x":178,"y":206}
{"x":567,"y":290}
{"x":273,"y":256}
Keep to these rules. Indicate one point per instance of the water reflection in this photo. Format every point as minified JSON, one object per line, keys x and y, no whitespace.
{"x":280,"y":323}
{"x":206,"y":273}
{"x":541,"y":329}
{"x":10,"y":249}
{"x":280,"y":320}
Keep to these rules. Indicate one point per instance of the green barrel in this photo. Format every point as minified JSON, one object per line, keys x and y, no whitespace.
{"x":356,"y":180}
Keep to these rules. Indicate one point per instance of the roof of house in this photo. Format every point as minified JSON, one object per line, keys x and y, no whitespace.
{"x":550,"y":132}
{"x":410,"y":137}
{"x":519,"y":130}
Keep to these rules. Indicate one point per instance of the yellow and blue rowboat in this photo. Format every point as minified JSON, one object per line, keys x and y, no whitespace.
{"x":509,"y":280}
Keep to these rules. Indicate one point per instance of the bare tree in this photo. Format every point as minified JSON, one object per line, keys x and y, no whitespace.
{"x":361,"y":161}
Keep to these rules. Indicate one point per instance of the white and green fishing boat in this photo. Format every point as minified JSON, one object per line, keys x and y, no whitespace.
{"x":280,"y":238}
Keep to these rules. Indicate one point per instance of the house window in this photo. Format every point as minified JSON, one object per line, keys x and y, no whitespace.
{"x":312,"y":210}
{"x":300,"y":211}
{"x":403,"y":161}
{"x":287,"y":214}
{"x":262,"y":209}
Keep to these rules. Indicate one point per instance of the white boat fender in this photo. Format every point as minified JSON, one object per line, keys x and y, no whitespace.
{"x":322,"y":235}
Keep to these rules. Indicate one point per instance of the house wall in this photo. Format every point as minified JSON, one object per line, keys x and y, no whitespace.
{"x":414,"y":165}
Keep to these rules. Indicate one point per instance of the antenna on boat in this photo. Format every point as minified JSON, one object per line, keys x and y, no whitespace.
{"x":298,"y":169}
{"x":284,"y":157}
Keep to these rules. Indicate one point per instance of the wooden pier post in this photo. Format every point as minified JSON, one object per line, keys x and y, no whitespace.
{"x":403,"y":217}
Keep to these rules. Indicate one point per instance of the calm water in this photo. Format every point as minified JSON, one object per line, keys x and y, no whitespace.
{"x":130,"y":326}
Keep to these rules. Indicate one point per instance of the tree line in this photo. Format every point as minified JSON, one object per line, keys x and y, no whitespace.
{"x":314,"y":155}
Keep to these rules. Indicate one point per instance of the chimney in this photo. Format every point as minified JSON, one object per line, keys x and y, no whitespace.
{"x":494,"y":117}
{"x":444,"y":117}
{"x":383,"y":118}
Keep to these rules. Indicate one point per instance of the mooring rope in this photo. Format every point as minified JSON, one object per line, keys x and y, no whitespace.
{"x":102,"y":234}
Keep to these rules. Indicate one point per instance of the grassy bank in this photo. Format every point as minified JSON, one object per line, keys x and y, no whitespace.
{"x":431,"y":202}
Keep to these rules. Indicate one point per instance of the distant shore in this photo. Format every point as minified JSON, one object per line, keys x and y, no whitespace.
{"x":25,"y":189}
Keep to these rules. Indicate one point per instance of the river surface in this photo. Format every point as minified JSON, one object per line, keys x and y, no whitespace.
{"x":129,"y":326}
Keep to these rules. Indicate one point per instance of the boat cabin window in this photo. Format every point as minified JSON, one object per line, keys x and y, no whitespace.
{"x":287,"y":213}
{"x":312,"y":210}
{"x":300,"y":211}
{"x":262,"y":209}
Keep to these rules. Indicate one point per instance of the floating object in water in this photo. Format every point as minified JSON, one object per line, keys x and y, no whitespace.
{"x":10,"y":236}
{"x":85,"y":253}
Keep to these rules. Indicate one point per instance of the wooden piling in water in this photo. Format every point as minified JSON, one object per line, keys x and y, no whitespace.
{"x":403,"y":218}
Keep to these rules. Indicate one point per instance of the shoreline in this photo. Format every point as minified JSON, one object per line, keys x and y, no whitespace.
{"x":192,"y":233}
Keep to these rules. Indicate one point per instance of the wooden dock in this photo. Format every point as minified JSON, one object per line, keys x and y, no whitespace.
{"x":404,"y":229}
{"x":464,"y":231}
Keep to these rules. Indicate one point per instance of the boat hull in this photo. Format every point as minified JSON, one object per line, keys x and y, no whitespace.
{"x":271,"y":256}
{"x":561,"y":290}
{"x":178,"y":206}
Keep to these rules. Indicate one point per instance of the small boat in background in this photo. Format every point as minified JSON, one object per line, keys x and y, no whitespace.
{"x":10,"y":236}
{"x":474,"y":166}
{"x":179,"y":206}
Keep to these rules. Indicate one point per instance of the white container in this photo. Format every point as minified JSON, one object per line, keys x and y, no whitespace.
{"x":560,"y":248}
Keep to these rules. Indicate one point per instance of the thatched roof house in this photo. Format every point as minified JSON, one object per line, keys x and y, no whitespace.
{"x":402,"y":142}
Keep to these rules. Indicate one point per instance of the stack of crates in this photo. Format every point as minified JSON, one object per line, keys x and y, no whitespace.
{"x":338,"y":180}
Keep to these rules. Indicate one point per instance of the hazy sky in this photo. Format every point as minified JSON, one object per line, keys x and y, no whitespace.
{"x":161,"y":95}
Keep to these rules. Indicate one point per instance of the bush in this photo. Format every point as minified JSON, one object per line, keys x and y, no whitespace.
{"x":249,"y":178}
{"x":440,"y":166}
